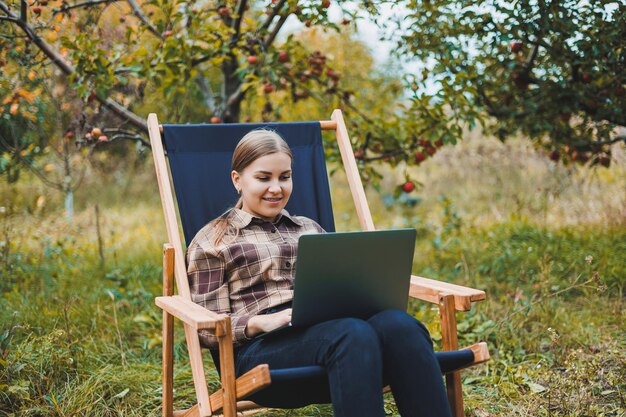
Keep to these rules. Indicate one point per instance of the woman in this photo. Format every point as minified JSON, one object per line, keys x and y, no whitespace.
{"x":243,"y":264}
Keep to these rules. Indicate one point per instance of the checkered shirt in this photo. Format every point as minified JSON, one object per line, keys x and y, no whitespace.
{"x":248,"y":273}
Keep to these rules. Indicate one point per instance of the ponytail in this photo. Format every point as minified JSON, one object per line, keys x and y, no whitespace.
{"x":222,"y":226}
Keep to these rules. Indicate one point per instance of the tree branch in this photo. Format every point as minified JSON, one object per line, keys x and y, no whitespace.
{"x":67,"y":69}
{"x":141,"y":16}
{"x":270,"y":38}
{"x":272,"y":15}
{"x":66,"y":7}
{"x":621,"y":138}
{"x":121,"y":134}
{"x":236,"y":97}
{"x":236,"y":23}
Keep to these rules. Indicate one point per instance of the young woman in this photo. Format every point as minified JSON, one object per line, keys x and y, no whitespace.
{"x":243,"y":264}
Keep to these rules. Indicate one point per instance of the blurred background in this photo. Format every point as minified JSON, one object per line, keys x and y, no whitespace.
{"x":496,"y":130}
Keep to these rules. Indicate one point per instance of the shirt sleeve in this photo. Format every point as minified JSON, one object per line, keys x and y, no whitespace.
{"x":208,"y":285}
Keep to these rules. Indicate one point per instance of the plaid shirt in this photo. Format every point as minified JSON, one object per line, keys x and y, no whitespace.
{"x":246,"y":274}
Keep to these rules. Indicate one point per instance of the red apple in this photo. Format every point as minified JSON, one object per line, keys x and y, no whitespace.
{"x":414,"y":87}
{"x":358,"y":154}
{"x":345,"y":21}
{"x":283,"y":56}
{"x":439,"y":143}
{"x":37,"y":10}
{"x":431,"y":150}
{"x":268,"y":88}
{"x":419,"y":157}
{"x":325,"y":4}
{"x":215,"y":120}
{"x":408,"y":186}
{"x":515,"y":46}
{"x":223,"y":10}
{"x":555,"y":155}
{"x":69,"y":134}
{"x":96,"y":132}
{"x":308,"y":23}
{"x":167,"y":33}
{"x":102,"y":138}
{"x":253,"y":60}
{"x":91,"y":97}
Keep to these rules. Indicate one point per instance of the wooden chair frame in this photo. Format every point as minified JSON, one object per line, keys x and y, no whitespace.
{"x":449,"y":297}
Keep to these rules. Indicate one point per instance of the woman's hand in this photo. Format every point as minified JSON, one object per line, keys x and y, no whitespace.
{"x":264,"y":323}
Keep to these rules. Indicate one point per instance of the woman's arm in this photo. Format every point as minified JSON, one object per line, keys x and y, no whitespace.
{"x":264,"y":323}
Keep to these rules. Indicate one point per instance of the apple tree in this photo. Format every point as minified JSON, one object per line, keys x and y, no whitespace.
{"x":552,"y":70}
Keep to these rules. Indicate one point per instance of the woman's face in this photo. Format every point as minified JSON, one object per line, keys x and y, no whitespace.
{"x":265,"y":185}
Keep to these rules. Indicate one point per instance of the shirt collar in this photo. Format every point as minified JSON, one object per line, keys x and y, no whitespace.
{"x":242,"y":219}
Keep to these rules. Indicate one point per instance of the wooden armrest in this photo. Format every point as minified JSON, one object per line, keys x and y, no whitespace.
{"x":192,"y":314}
{"x":431,"y":290}
{"x":481,"y":352}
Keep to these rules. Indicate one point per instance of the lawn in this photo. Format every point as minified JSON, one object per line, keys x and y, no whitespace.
{"x":80,"y":335}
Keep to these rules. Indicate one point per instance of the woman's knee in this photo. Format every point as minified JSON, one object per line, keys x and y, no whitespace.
{"x":356,"y":331}
{"x":397,"y":324}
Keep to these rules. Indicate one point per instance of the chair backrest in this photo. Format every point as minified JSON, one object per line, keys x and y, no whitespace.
{"x":200,"y":164}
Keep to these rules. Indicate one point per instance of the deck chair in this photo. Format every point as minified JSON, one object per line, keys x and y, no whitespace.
{"x":199,"y":158}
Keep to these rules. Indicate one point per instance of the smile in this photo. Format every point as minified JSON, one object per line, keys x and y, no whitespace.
{"x":273,"y":200}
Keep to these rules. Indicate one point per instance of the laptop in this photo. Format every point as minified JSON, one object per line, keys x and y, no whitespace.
{"x":352,"y":274}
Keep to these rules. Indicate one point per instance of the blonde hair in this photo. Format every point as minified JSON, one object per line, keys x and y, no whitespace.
{"x":254,"y":145}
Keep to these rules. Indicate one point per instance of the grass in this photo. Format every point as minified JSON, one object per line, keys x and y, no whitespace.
{"x":80,"y":335}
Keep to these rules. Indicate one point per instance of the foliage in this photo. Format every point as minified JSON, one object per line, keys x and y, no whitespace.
{"x":551,"y":70}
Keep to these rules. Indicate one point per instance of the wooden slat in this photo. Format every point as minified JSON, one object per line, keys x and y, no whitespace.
{"x":451,"y":342}
{"x":324,"y":124}
{"x":168,"y":332}
{"x":227,"y":367}
{"x":197,"y":371}
{"x":431,"y":290}
{"x":191,"y":313}
{"x":352,"y":172}
{"x":190,"y":412}
{"x":171,"y":224}
{"x":328,"y":124}
{"x":169,"y":210}
{"x":252,"y":381}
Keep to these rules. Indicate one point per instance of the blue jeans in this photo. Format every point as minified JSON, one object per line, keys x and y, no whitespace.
{"x":361,"y":356}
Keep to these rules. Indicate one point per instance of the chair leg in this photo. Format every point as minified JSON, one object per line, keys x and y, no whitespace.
{"x":227,"y":365}
{"x":451,"y":342}
{"x":168,"y":364}
{"x":168,"y":333}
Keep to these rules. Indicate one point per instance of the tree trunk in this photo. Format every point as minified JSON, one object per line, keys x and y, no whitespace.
{"x":231,"y":91}
{"x":69,"y":205}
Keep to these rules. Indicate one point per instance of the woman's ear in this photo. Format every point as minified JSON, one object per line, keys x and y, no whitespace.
{"x":235,"y":177}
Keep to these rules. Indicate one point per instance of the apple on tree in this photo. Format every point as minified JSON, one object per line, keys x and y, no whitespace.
{"x":283,"y":56}
{"x":515,"y":46}
{"x":408,"y":186}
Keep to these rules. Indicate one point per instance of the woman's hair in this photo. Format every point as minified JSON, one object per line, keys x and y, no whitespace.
{"x":254,"y":145}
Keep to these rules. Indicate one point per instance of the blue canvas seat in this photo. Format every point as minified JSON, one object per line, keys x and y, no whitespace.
{"x":199,"y":161}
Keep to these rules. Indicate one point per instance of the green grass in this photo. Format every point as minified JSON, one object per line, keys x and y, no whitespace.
{"x":80,"y":335}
